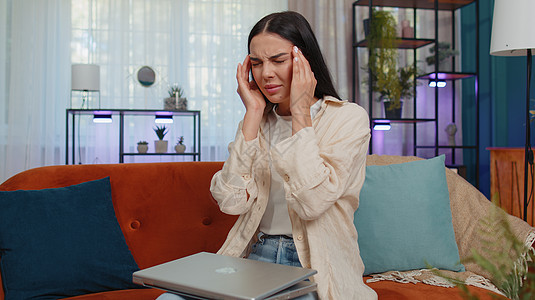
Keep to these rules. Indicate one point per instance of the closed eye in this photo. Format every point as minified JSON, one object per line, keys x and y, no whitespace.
{"x":255,"y":61}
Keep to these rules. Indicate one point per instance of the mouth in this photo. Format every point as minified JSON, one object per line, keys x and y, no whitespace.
{"x":272,"y":88}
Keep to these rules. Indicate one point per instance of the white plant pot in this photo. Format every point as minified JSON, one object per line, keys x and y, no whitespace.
{"x":142,"y":148}
{"x":180,"y":148}
{"x":171,"y":103}
{"x":160,"y":146}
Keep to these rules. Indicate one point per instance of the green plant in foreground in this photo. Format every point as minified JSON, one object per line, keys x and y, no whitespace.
{"x":508,"y":274}
{"x":161,"y":131}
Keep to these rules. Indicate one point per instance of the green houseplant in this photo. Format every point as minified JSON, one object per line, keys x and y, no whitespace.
{"x":160,"y":145}
{"x":180,"y":147}
{"x":176,"y":99}
{"x":142,"y":146}
{"x":392,"y":83}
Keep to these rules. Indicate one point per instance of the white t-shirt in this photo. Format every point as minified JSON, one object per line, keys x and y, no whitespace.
{"x":276,"y":219}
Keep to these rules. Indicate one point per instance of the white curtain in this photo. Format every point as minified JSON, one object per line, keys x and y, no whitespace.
{"x":331,"y":22}
{"x":34,"y":83}
{"x":196,"y":44}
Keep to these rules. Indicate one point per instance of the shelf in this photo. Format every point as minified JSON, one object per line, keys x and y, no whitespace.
{"x":414,"y":46}
{"x":447,"y":147}
{"x":423,"y":4}
{"x":158,"y":154}
{"x":405,"y":120}
{"x":446,"y":75}
{"x":122,"y":114}
{"x":137,"y":112}
{"x":403,"y":43}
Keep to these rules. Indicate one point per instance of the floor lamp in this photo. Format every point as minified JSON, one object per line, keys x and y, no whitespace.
{"x":513,"y":34}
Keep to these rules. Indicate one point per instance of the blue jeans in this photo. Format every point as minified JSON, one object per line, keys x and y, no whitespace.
{"x":277,"y":249}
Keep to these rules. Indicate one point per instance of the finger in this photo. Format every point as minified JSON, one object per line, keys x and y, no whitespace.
{"x":296,"y":63}
{"x":239,"y":74}
{"x":303,"y":72}
{"x":304,"y":65}
{"x":247,"y":64}
{"x":306,"y":70}
{"x":243,"y":71}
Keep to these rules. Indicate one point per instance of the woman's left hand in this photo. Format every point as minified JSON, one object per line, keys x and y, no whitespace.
{"x":302,"y":91}
{"x":303,"y":84}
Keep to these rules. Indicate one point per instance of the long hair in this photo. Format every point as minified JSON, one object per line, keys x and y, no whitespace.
{"x":293,"y":27}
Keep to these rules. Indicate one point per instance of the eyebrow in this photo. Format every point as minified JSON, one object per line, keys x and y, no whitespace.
{"x":271,"y":57}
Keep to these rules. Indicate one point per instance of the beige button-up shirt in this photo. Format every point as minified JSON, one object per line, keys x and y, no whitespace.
{"x":323,"y":168}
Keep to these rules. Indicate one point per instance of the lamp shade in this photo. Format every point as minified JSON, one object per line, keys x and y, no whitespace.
{"x":513,"y":27}
{"x":85,"y":77}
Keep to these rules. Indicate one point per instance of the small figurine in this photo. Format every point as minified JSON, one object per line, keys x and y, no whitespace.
{"x":451,"y":130}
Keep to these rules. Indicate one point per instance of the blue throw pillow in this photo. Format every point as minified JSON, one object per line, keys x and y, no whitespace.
{"x":62,"y":242}
{"x":404,"y":218}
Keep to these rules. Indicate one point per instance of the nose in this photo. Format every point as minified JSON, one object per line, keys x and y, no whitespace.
{"x":268,"y":70}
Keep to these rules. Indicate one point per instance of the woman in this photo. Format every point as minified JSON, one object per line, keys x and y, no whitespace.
{"x":297,"y":164}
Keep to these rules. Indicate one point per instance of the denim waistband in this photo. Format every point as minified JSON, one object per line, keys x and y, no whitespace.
{"x":262,"y":235}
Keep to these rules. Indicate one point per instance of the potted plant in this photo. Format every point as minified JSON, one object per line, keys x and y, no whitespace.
{"x":180,"y":147}
{"x":160,"y":145}
{"x":392,"y":83}
{"x":176,"y":99}
{"x":142,"y":146}
{"x":444,"y":52}
{"x":393,"y":88}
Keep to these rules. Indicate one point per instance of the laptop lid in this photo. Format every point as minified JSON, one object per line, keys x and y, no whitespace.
{"x":209,"y":275}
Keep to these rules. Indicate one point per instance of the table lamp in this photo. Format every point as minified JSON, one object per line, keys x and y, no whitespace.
{"x":85,"y":78}
{"x":513,"y":34}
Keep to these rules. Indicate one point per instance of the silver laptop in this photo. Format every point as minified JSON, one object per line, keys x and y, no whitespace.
{"x":212,"y":276}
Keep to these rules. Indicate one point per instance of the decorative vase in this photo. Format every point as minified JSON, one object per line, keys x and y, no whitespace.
{"x":180,"y":148}
{"x":406,"y":29}
{"x":366,"y":25}
{"x":160,"y":146}
{"x":142,"y":148}
{"x":392,"y":112}
{"x":175,"y":104}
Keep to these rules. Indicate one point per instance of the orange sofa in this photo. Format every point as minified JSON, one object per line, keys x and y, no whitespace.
{"x":165,"y":211}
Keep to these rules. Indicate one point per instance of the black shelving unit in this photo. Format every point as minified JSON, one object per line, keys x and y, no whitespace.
{"x":414,"y":44}
{"x":73,"y":114}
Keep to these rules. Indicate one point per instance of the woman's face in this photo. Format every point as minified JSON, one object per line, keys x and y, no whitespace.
{"x":271,"y":64}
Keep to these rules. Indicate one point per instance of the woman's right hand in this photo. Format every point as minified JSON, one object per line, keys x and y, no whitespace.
{"x":253,"y":100}
{"x":249,"y":93}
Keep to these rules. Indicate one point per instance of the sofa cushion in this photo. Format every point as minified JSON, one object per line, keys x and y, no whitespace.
{"x":62,"y":242}
{"x":404,"y":218}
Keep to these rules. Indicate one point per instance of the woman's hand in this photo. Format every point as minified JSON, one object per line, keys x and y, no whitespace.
{"x":302,"y":91}
{"x":249,"y":93}
{"x":252,"y":98}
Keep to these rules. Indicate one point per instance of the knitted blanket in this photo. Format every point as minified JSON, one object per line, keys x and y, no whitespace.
{"x":468,"y":207}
